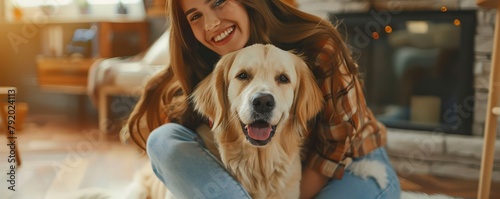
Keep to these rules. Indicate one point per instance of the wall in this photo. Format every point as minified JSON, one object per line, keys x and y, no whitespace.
{"x":484,"y":47}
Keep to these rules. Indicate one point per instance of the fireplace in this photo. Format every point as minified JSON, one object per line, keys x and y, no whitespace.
{"x":417,"y":66}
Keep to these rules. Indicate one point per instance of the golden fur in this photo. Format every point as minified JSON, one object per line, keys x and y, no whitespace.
{"x":273,"y":169}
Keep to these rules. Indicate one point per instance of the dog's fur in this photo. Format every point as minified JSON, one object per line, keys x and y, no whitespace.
{"x":267,"y":168}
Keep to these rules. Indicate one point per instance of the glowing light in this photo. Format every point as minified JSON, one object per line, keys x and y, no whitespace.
{"x":375,"y":35}
{"x":418,"y":27}
{"x":113,"y":1}
{"x":444,"y":9}
{"x":36,"y":3}
{"x":388,"y":29}
{"x":457,"y":22}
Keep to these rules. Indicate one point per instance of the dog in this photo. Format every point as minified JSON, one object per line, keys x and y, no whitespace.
{"x":260,"y":100}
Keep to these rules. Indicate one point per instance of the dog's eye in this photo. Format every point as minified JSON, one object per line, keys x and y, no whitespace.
{"x":242,"y":76}
{"x":283,"y":79}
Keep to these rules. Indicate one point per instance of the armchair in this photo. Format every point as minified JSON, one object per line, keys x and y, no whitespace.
{"x":124,"y":76}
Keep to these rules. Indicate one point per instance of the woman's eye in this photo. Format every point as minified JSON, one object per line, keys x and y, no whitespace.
{"x":194,"y":17}
{"x":283,"y":79}
{"x":242,"y":76}
{"x":217,"y":3}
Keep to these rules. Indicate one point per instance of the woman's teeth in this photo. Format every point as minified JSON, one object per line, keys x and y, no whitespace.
{"x":224,"y":34}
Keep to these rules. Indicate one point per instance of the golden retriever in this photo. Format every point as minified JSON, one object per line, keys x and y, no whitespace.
{"x":260,"y":100}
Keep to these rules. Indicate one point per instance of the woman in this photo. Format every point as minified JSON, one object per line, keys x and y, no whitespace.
{"x":204,"y":30}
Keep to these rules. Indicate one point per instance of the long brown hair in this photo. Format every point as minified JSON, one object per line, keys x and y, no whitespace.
{"x":271,"y":21}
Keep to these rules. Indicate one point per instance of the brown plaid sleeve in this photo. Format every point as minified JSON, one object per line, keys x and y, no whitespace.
{"x":347,"y":128}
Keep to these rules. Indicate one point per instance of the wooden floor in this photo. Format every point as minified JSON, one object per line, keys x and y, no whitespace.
{"x":466,"y":189}
{"x":61,"y":156}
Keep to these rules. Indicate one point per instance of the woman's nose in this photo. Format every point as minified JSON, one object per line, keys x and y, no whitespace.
{"x":211,"y":21}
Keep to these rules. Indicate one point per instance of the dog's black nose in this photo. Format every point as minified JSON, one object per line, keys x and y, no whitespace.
{"x":263,"y":102}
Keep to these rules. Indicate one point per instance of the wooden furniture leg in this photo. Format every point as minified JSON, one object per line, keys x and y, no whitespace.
{"x":10,"y":139}
{"x":4,"y":123}
{"x":492,"y":110}
{"x":103,"y":110}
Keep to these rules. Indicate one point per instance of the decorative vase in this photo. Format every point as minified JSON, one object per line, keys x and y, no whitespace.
{"x":122,"y":9}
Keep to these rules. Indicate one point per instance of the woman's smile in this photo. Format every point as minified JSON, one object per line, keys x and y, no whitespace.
{"x":224,"y":34}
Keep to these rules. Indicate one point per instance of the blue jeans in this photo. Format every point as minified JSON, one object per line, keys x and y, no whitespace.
{"x":182,"y":162}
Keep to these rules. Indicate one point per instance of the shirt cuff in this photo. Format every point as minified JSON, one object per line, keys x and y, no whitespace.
{"x":326,"y":167}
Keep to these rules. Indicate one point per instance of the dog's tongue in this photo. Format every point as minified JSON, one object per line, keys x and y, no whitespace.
{"x":259,"y":130}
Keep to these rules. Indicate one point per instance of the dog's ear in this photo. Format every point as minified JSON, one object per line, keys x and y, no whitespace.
{"x":210,"y":96}
{"x":308,"y":97}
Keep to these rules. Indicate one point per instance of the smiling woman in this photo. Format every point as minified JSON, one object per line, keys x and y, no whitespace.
{"x":201,"y":32}
{"x":220,"y":25}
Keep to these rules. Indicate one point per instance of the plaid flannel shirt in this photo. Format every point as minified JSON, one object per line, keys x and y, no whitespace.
{"x":351,"y":132}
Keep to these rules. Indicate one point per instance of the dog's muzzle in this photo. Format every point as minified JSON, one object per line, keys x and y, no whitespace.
{"x":260,"y":131}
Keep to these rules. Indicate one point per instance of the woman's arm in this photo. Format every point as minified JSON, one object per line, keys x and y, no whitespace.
{"x":312,"y":182}
{"x":346,"y":128}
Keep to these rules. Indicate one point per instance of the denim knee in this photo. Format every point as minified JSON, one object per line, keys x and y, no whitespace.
{"x":170,"y":132}
{"x":164,"y":140}
{"x":188,"y":169}
{"x":165,"y":147}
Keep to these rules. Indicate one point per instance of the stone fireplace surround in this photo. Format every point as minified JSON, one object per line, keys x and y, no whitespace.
{"x":425,"y":152}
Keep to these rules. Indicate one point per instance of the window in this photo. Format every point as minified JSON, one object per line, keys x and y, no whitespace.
{"x":113,"y":1}
{"x":72,"y":9}
{"x":36,"y":3}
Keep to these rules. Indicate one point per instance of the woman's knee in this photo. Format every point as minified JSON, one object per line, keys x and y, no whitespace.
{"x":165,"y":142}
{"x":170,"y":132}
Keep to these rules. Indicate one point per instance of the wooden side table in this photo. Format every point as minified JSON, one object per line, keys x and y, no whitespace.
{"x":66,"y":75}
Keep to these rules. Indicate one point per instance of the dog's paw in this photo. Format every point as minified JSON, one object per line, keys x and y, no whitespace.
{"x":370,"y":168}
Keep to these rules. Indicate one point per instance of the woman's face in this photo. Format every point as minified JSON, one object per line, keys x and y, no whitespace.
{"x":222,"y":26}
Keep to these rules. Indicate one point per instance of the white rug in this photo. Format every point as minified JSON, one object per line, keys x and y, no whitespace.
{"x":414,"y":195}
{"x":146,"y":186}
{"x":93,"y":193}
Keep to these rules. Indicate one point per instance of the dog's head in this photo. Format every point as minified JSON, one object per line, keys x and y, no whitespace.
{"x":262,"y":88}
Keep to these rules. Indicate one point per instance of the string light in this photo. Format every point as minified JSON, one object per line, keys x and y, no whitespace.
{"x":388,"y":29}
{"x":444,"y":9}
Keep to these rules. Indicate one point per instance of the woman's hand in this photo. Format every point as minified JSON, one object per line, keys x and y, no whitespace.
{"x":312,"y":182}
